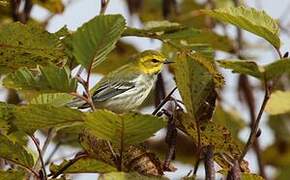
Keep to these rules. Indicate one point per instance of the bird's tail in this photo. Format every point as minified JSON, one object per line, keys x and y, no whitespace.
{"x":78,"y":103}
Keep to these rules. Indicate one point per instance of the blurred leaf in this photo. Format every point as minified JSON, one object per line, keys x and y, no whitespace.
{"x":37,"y":116}
{"x":15,"y":153}
{"x":246,"y":67}
{"x":283,"y":173}
{"x":230,"y":119}
{"x":12,"y":174}
{"x":95,"y":39}
{"x":51,"y":79}
{"x":84,"y":165}
{"x":126,"y":176}
{"x":250,"y":176}
{"x":69,"y":135}
{"x":278,"y":103}
{"x":224,"y":4}
{"x":277,"y":68}
{"x":54,"y":6}
{"x":55,"y":99}
{"x":120,"y":56}
{"x":277,"y":155}
{"x":280,"y":125}
{"x":121,"y":129}
{"x":28,"y":45}
{"x":250,"y":19}
{"x":135,"y":157}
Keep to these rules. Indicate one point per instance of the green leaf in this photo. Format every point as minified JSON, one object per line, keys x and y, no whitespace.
{"x":278,"y":103}
{"x":26,"y":46}
{"x":120,"y":56}
{"x":37,"y":116}
{"x":120,"y":129}
{"x":95,"y":39}
{"x":32,"y":117}
{"x":15,"y":153}
{"x":246,"y":67}
{"x":250,"y":19}
{"x":250,"y":176}
{"x":49,"y":79}
{"x":55,"y":99}
{"x":127,"y":176}
{"x":12,"y":175}
{"x":187,"y":35}
{"x":212,"y":133}
{"x":198,"y":36}
{"x":196,"y":79}
{"x":277,"y":68}
{"x":54,"y":6}
{"x":84,"y":165}
{"x":277,"y":155}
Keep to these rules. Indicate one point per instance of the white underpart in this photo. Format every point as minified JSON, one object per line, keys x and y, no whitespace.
{"x":132,"y":98}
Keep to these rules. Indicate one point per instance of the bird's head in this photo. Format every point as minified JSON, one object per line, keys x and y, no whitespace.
{"x":151,"y":62}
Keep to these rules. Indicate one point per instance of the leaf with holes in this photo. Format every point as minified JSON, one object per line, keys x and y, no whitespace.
{"x":250,"y":19}
{"x":27,"y":46}
{"x":95,"y":39}
{"x":196,"y":79}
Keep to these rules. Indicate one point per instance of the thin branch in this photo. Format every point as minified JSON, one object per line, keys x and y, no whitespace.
{"x":36,"y":142}
{"x":196,"y":164}
{"x":52,"y":153}
{"x":235,"y":172}
{"x":253,"y":133}
{"x":70,"y":163}
{"x":209,"y":163}
{"x":104,"y":5}
{"x":165,"y":100}
{"x":23,"y":166}
{"x":170,"y":140}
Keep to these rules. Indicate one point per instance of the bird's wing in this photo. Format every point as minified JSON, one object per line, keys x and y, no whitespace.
{"x":108,"y":90}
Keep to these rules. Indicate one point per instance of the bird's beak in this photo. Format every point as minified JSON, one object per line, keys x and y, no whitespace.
{"x":168,"y":62}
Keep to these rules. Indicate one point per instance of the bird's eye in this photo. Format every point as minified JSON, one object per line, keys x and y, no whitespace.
{"x":154,"y":61}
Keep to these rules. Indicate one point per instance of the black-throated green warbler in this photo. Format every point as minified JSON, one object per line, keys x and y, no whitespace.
{"x":127,"y":87}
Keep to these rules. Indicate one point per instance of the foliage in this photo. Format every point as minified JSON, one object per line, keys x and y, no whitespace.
{"x":41,"y":68}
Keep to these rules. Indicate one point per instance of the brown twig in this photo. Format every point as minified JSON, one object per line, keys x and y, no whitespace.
{"x":255,"y":126}
{"x":165,"y":100}
{"x":159,"y":90}
{"x":36,"y":142}
{"x":170,"y":140}
{"x":52,"y":153}
{"x":245,"y":89}
{"x":104,"y":5}
{"x":209,"y":163}
{"x":235,"y":172}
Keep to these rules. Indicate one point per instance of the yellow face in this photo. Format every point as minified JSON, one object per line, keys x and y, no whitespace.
{"x":151,"y":62}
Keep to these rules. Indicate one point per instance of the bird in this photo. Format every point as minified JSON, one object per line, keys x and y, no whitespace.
{"x":125,"y":88}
